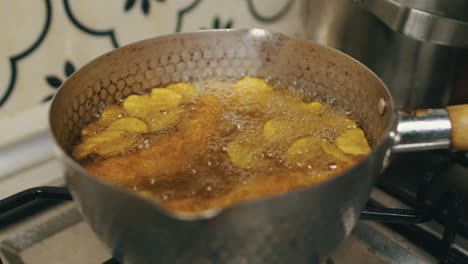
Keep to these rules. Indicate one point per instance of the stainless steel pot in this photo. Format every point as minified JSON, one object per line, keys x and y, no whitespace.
{"x":298,"y":227}
{"x":418,"y":48}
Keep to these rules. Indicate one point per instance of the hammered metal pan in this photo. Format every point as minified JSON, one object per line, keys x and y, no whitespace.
{"x":297,"y":227}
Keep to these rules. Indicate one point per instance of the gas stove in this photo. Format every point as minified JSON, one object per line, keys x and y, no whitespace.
{"x":415,"y":214}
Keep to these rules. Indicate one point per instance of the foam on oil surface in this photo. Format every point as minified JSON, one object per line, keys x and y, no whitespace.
{"x":210,"y":174}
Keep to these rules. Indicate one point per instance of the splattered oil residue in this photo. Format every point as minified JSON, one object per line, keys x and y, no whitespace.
{"x":199,"y":146}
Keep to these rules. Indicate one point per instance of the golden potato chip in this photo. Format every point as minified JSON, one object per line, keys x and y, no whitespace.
{"x":314,"y":107}
{"x":91,"y":130}
{"x":164,"y":98}
{"x":116,"y":145}
{"x":185,"y":89}
{"x":350,"y":123}
{"x":334,"y":151}
{"x":111,"y":113}
{"x":254,"y":85}
{"x":278,"y":129}
{"x":304,"y":150}
{"x":129,"y":124}
{"x":251,"y":90}
{"x":139,"y":105}
{"x":163,"y":119}
{"x":353,"y":142}
{"x":241,"y":155}
{"x":160,"y":99}
{"x":106,"y":143}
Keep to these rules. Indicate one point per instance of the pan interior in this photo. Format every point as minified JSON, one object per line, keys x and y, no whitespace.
{"x":283,"y":61}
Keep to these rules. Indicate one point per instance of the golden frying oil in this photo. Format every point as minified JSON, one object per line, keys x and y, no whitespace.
{"x":229,"y":142}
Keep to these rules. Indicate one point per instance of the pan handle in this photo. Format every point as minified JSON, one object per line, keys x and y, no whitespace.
{"x":458,"y":115}
{"x":432,"y":129}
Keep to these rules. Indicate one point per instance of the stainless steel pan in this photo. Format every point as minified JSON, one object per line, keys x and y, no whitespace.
{"x":298,"y":227}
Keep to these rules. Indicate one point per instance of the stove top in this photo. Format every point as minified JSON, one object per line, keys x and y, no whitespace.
{"x":416,"y":214}
{"x":59,"y":235}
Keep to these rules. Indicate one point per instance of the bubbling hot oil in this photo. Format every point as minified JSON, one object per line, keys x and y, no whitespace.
{"x":262,"y":141}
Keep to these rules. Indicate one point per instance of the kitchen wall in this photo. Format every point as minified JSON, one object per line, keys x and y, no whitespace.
{"x":44,"y":41}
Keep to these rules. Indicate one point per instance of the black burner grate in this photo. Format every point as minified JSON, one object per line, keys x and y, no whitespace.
{"x":432,"y":182}
{"x":399,"y":218}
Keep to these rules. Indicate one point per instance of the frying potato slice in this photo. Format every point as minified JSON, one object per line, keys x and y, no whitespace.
{"x":241,"y":155}
{"x":129,"y":124}
{"x":91,"y":130}
{"x":251,"y":90}
{"x":314,"y":107}
{"x":111,"y":113}
{"x":304,"y":150}
{"x":353,"y":142}
{"x":116,"y":145}
{"x":139,"y":105}
{"x":161,"y":120}
{"x":164,"y":98}
{"x":283,"y":100}
{"x":350,"y":123}
{"x":185,"y":89}
{"x":107,"y":143}
{"x":249,"y":85}
{"x":160,"y":99}
{"x":334,"y":151}
{"x":276,"y":130}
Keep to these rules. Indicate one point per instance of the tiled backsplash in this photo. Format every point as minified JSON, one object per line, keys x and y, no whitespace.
{"x":45,"y":41}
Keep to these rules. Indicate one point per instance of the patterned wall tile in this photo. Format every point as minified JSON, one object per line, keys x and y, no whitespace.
{"x":45,"y":41}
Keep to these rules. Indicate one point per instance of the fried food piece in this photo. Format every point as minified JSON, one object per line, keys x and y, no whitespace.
{"x":241,"y":154}
{"x":304,"y":151}
{"x":91,"y":130}
{"x":279,"y":129}
{"x":353,"y":142}
{"x":249,"y":86}
{"x":106,"y":144}
{"x":350,"y":123}
{"x":250,"y":90}
{"x":185,"y":89}
{"x":129,"y":124}
{"x":164,"y":98}
{"x":139,"y":105}
{"x":159,"y":120}
{"x":160,"y":99}
{"x":109,"y":114}
{"x":166,"y":158}
{"x":315,"y":107}
{"x":307,"y":150}
{"x":334,"y":151}
{"x":283,"y":100}
{"x":159,"y":109}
